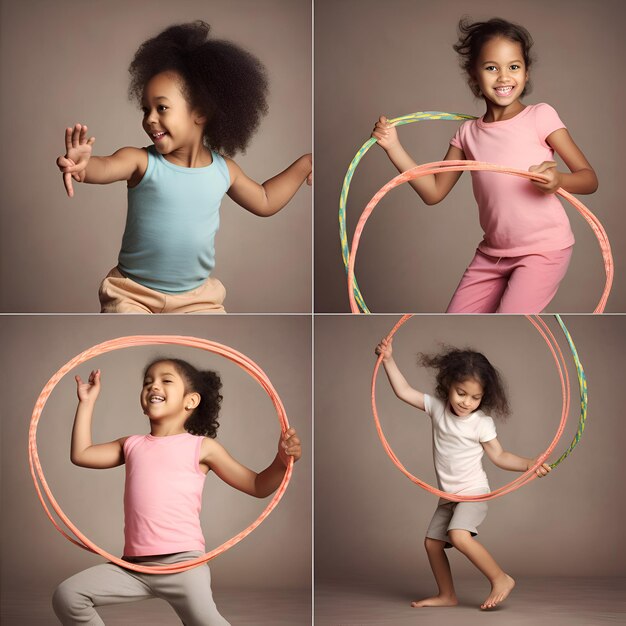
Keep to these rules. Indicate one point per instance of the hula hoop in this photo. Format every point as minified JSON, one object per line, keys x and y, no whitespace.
{"x":145,"y":340}
{"x":420,"y":116}
{"x":357,"y":302}
{"x":529,"y":475}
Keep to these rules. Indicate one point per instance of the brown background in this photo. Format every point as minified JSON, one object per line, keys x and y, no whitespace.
{"x":35,"y":558}
{"x":66,"y":62}
{"x":370,"y":519}
{"x":395,"y":58}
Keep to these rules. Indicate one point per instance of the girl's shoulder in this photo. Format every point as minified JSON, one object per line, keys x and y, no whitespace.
{"x":208,"y":445}
{"x":542,"y":108}
{"x":433,"y":405}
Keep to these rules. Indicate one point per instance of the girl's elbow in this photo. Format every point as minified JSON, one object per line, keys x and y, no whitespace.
{"x":432,"y":200}
{"x":77,"y":460}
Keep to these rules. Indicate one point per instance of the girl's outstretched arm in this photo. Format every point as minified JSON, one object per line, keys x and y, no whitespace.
{"x":512,"y":462}
{"x":399,"y":384}
{"x":83,"y":452}
{"x":433,"y":188}
{"x":233,"y":473}
{"x":270,"y":197}
{"x":580,"y":179}
{"x":80,"y":165}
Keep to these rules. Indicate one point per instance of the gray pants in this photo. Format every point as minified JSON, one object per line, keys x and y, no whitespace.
{"x":189,"y":592}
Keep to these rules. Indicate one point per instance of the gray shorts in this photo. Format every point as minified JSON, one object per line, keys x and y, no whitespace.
{"x":456,"y":516}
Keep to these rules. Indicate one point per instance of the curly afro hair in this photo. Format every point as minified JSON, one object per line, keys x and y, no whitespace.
{"x":219,"y":79}
{"x":204,"y":418}
{"x":473,"y":36}
{"x":454,"y":366}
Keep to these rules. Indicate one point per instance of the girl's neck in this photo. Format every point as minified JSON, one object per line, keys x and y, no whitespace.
{"x":167,"y":428}
{"x":496,"y":113}
{"x":194,"y":156}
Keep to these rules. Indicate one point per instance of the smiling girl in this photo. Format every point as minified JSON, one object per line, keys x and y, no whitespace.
{"x":165,"y":475}
{"x":528,"y":242}
{"x":468,"y":387}
{"x":202,"y":100}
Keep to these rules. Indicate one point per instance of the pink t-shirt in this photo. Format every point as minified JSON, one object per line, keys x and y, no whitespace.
{"x":163,"y":495}
{"x":516,"y":217}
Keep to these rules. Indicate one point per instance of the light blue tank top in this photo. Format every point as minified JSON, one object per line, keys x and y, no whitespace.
{"x":173,"y":216}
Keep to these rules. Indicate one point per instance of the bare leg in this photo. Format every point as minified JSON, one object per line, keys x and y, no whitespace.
{"x":443,"y":576}
{"x":501,"y":583}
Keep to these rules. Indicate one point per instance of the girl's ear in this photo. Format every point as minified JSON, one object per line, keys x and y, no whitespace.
{"x":192,"y":400}
{"x":200,"y":119}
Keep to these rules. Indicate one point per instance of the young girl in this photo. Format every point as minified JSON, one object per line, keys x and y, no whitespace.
{"x":467,"y":385}
{"x":165,"y":473}
{"x":201,"y":98}
{"x":527,"y":241}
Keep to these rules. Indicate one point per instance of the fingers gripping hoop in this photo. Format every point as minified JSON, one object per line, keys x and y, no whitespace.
{"x":529,"y":475}
{"x":357,"y":302}
{"x":44,"y":491}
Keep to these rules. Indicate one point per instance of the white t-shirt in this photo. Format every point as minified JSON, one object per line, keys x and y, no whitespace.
{"x":457,"y":449}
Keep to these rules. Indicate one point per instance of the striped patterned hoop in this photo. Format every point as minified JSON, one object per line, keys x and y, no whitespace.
{"x":420,"y":116}
{"x":357,"y":302}
{"x":529,"y":475}
{"x":44,"y":491}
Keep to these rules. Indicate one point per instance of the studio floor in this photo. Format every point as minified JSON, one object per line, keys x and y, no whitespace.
{"x":245,"y":608}
{"x":553,"y":601}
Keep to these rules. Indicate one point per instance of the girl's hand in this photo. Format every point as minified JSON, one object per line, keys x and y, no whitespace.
{"x":289,"y":445}
{"x":542,"y":470}
{"x":78,"y":153}
{"x":88,"y":392}
{"x":385,"y":134}
{"x":547,"y":169}
{"x":309,"y":178}
{"x":384,"y":348}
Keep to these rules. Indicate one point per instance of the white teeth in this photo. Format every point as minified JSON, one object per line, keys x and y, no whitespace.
{"x":504,"y":89}
{"x":155,"y":399}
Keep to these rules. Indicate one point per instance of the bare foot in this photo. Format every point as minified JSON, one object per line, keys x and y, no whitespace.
{"x":500,"y":589}
{"x":436,"y":601}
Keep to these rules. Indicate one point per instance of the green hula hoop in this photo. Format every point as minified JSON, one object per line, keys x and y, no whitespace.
{"x":582,"y":385}
{"x":419,"y":116}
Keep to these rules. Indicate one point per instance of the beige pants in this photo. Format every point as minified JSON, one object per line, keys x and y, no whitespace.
{"x":119,"y":294}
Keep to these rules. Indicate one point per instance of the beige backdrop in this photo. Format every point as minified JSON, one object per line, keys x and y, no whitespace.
{"x":370,"y":519}
{"x":66,"y":62}
{"x":396,"y":58}
{"x":35,"y":557}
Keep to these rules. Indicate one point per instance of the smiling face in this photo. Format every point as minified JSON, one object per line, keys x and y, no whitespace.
{"x":465,"y":396}
{"x":164,"y":394}
{"x":167,"y":118}
{"x":500,"y":71}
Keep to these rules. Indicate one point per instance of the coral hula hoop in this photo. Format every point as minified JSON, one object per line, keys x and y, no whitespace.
{"x":145,"y":340}
{"x":357,"y":302}
{"x":529,"y":475}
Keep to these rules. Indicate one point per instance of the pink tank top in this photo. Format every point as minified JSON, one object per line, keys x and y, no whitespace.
{"x":163,"y":494}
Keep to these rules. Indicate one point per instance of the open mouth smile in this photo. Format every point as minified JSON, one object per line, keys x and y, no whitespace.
{"x":504,"y":91}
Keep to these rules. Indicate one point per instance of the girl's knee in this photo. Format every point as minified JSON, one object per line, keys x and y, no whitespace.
{"x":71,"y":605}
{"x":65,"y":600}
{"x":434,"y":545}
{"x":459,"y":538}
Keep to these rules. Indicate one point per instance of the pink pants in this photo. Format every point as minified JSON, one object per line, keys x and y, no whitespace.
{"x":521,"y":284}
